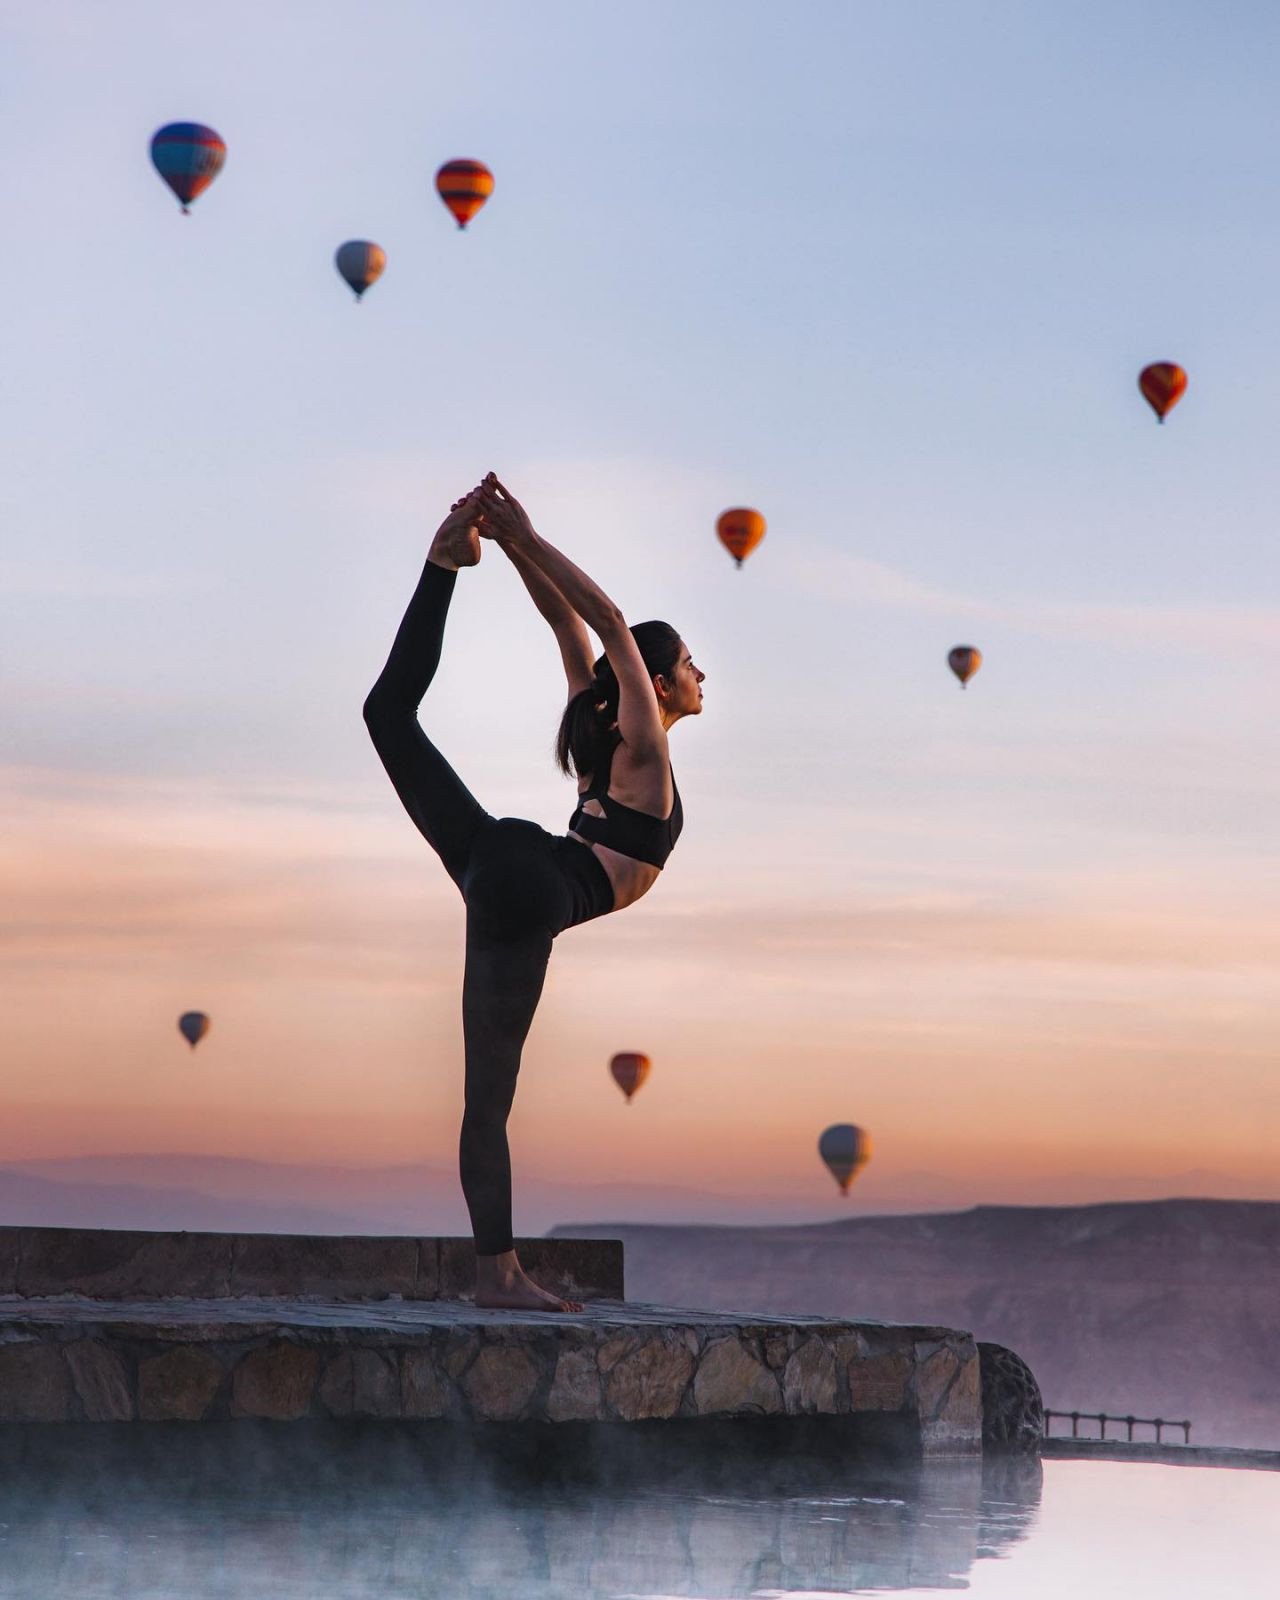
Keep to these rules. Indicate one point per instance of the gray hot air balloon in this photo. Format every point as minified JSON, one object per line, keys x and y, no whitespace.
{"x":193,"y":1025}
{"x":360,"y":262}
{"x":964,"y":661}
{"x":846,"y":1149}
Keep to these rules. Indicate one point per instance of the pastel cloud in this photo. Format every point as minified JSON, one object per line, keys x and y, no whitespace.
{"x":834,"y":574}
{"x":963,"y":1026}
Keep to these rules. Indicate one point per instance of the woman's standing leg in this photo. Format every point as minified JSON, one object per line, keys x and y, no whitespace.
{"x":516,"y":902}
{"x":500,"y":994}
{"x":443,"y":809}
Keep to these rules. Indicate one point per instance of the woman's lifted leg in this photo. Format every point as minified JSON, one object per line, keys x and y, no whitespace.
{"x":441,"y":806}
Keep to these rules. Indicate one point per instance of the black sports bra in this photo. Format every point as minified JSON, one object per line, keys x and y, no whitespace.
{"x":633,"y":833}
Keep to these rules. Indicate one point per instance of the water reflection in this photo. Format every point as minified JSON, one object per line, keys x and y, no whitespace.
{"x":396,"y":1518}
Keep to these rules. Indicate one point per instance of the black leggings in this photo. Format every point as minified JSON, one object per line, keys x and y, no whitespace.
{"x":522,"y":886}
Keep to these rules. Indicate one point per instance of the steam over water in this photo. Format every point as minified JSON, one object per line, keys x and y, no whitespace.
{"x":392,"y":1513}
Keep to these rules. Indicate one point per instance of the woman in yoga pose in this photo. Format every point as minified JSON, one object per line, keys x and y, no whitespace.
{"x":521,"y":885}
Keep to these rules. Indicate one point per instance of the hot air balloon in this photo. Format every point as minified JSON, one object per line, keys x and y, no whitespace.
{"x":193,"y":1025}
{"x":464,"y":186}
{"x":188,"y":156}
{"x":360,"y":262}
{"x":629,"y":1070}
{"x":1163,"y":384}
{"x":846,"y":1150}
{"x":964,"y":661}
{"x":740,"y":530}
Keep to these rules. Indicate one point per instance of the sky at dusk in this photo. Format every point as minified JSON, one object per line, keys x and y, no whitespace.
{"x":887,"y":271}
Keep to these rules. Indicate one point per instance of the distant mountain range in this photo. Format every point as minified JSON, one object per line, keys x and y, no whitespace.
{"x":1166,"y":1308}
{"x":223,"y":1192}
{"x":150,"y":1190}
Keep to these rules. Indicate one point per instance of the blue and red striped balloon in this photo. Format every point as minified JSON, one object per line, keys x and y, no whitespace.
{"x":188,"y":156}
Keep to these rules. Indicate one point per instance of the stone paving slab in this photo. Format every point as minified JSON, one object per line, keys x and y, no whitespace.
{"x":297,"y":1311}
{"x":83,"y":1358}
{"x":1169,"y":1455}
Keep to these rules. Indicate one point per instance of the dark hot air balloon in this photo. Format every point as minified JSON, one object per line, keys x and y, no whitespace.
{"x":188,"y":156}
{"x":464,"y":186}
{"x":846,"y":1149}
{"x":964,"y":661}
{"x":629,"y":1070}
{"x":193,"y":1025}
{"x":740,"y":530}
{"x":1163,"y":384}
{"x":360,"y":262}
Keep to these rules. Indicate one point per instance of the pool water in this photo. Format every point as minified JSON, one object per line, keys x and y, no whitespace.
{"x":403,"y":1527}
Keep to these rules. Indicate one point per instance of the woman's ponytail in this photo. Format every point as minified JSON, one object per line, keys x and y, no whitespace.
{"x":587,"y":728}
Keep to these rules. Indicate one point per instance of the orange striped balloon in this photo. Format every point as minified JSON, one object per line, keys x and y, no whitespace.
{"x":740,"y":530}
{"x":1163,"y":384}
{"x":464,"y":186}
{"x":629,"y":1070}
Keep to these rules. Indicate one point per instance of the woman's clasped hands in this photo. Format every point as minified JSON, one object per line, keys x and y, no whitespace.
{"x":502,"y":517}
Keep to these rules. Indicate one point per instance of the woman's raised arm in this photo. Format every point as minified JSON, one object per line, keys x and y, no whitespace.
{"x":570,"y":631}
{"x":506,"y":520}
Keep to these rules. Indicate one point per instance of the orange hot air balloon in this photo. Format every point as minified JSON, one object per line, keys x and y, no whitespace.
{"x":629,"y":1070}
{"x":1163,"y":384}
{"x":464,"y":186}
{"x":193,"y":1025}
{"x":846,"y":1149}
{"x":740,"y":530}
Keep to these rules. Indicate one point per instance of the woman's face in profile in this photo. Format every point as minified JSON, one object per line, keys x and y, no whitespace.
{"x":686,"y":694}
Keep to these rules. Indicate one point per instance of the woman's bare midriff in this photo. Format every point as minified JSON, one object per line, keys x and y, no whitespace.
{"x":630,"y":878}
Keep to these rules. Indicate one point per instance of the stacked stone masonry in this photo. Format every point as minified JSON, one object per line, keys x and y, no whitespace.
{"x":78,"y":1359}
{"x":96,"y":1327}
{"x":111,"y":1264}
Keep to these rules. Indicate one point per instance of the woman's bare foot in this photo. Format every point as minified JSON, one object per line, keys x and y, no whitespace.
{"x":503,"y":1285}
{"x":455,"y":547}
{"x":457,"y":540}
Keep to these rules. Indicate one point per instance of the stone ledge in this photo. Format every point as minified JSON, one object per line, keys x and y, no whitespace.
{"x":112,"y":1264}
{"x":1168,"y":1455}
{"x":82,"y":1359}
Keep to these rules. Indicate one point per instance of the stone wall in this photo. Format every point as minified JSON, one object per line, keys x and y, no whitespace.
{"x":79,"y":1360}
{"x":104,"y":1326}
{"x":117,"y":1265}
